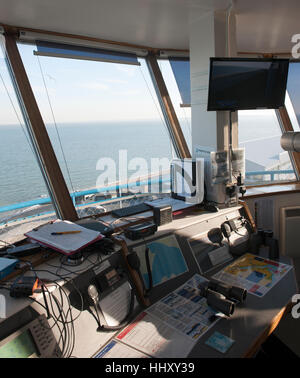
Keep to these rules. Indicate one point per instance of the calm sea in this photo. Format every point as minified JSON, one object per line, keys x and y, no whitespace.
{"x":85,"y":144}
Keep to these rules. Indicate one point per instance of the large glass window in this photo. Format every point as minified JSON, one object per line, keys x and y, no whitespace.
{"x":260,"y":133}
{"x":266,"y":162}
{"x":106,"y":127}
{"x":24,"y":199}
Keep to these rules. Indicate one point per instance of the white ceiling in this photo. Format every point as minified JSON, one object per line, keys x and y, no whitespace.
{"x":267,"y":25}
{"x":262,"y":25}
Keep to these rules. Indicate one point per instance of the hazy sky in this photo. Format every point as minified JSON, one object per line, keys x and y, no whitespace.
{"x":84,"y":91}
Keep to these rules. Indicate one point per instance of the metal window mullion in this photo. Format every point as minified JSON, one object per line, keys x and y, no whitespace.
{"x":163,"y":109}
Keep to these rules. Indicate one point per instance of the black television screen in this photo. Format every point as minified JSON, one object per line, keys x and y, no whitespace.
{"x":247,"y":83}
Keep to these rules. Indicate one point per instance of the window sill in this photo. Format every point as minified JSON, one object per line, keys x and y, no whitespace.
{"x":272,"y":189}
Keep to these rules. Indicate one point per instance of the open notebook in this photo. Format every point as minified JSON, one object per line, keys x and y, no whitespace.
{"x":65,"y":243}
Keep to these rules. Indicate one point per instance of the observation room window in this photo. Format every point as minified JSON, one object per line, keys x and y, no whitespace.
{"x":265,"y":161}
{"x":104,"y":122}
{"x":24,"y":198}
{"x":260,"y":133}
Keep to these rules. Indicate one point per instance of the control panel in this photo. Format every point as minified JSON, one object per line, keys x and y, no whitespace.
{"x":34,"y":340}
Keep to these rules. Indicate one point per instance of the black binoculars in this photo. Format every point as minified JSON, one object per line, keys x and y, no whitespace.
{"x":222,"y":297}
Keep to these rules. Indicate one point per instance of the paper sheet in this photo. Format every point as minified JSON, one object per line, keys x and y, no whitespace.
{"x":114,"y":349}
{"x":115,"y":306}
{"x":185,"y":310}
{"x":66,"y":243}
{"x":151,"y":336}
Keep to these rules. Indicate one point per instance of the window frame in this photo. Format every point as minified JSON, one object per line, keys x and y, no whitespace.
{"x":54,"y":197}
{"x":285,"y":126}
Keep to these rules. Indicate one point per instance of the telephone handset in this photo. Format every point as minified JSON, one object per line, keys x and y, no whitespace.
{"x":101,"y":293}
{"x":107,"y":291}
{"x":36,"y":339}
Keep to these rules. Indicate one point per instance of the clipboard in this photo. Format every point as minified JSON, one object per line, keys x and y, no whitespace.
{"x":67,"y":244}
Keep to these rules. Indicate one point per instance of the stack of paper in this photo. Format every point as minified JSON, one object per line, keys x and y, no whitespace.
{"x":58,"y":236}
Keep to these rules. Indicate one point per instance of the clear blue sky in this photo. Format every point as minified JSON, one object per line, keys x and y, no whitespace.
{"x":85,"y":91}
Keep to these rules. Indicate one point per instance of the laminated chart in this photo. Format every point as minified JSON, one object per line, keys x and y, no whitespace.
{"x":256,"y":274}
{"x":185,"y":310}
{"x":151,"y":336}
{"x":115,"y":349}
{"x":172,"y":326}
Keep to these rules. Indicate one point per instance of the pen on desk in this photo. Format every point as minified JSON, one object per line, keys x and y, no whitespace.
{"x":65,"y":232}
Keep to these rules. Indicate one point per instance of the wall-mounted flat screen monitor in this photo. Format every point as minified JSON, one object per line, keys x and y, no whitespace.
{"x":247,"y":83}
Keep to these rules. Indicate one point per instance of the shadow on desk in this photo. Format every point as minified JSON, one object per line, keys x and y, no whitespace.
{"x":273,"y":347}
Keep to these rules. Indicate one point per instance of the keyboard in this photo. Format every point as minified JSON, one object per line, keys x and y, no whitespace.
{"x":131,"y":210}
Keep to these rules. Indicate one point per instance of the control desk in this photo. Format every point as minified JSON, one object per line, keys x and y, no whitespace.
{"x":151,"y":297}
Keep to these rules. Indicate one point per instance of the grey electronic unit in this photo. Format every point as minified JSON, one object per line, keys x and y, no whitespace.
{"x":34,"y":340}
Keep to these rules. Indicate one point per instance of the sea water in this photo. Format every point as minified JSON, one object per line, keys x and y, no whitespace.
{"x":79,"y":146}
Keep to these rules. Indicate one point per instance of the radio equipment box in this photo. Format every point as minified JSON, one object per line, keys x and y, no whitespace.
{"x":162,"y":214}
{"x":140,"y":230}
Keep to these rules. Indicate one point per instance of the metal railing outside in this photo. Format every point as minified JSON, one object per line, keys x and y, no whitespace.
{"x":118,"y":188}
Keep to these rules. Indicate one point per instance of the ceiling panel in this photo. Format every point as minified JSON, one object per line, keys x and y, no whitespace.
{"x":267,"y":26}
{"x":263,"y":26}
{"x":154,"y":23}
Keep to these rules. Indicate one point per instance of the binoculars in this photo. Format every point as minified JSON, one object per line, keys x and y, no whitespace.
{"x":222,"y":297}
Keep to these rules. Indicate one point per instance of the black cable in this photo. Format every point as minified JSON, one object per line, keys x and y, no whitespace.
{"x":148,"y":269}
{"x":239,"y":233}
{"x":70,"y":332}
{"x":68,"y":335}
{"x":63,"y":321}
{"x":61,"y":327}
{"x":53,"y":317}
{"x":62,"y":331}
{"x":71,"y":281}
{"x":45,"y":301}
{"x":92,"y":264}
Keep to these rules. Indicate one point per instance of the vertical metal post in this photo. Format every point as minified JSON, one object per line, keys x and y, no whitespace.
{"x":175,"y":132}
{"x":230,"y":146}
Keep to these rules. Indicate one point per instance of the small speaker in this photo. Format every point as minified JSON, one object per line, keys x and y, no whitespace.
{"x":162,"y":214}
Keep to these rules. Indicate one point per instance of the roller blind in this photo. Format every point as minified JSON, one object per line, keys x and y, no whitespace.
{"x":181,"y":70}
{"x":293,"y":88}
{"x":61,"y":50}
